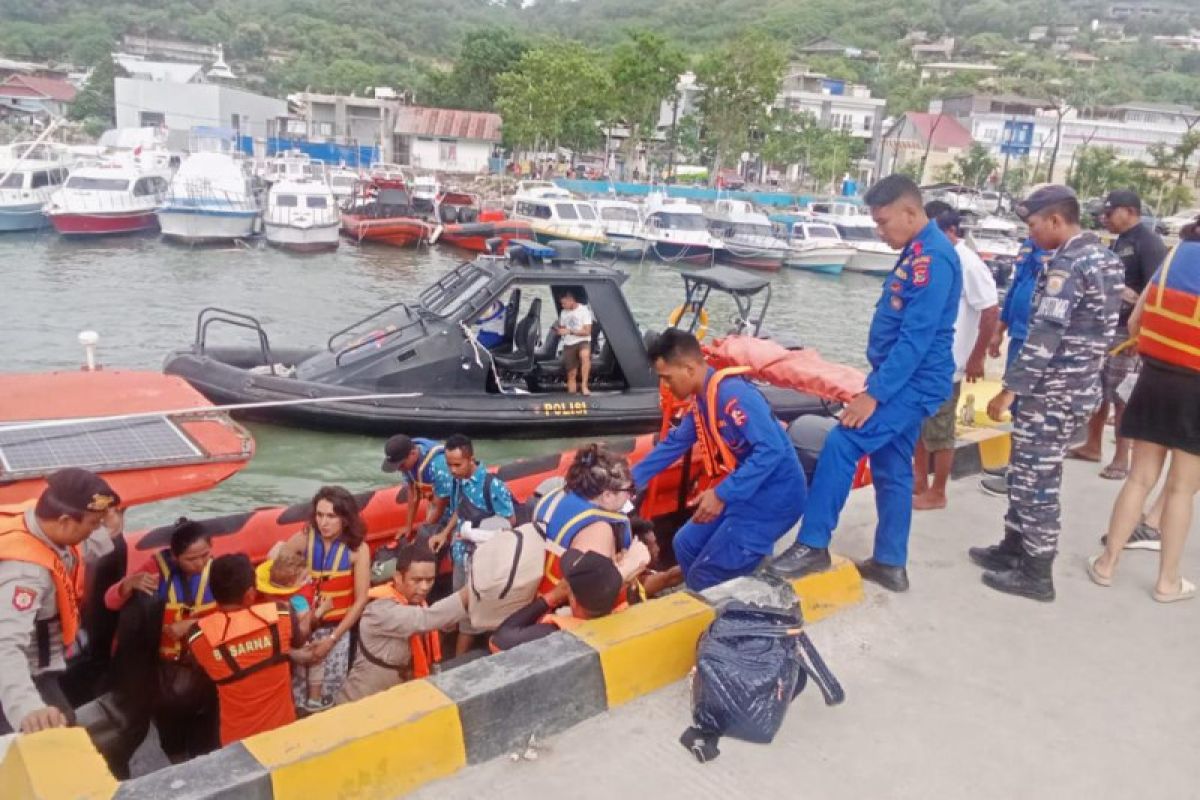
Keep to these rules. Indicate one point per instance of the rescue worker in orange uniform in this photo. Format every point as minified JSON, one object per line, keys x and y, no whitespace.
{"x":590,"y":587}
{"x":761,"y":492}
{"x":243,"y":646}
{"x":43,"y":549}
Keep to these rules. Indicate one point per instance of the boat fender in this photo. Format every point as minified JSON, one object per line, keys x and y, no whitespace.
{"x":678,"y":312}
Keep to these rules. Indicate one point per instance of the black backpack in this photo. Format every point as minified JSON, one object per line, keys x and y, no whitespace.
{"x":751,"y":663}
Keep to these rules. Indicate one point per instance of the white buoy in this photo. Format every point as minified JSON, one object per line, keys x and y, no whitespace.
{"x":89,"y":340}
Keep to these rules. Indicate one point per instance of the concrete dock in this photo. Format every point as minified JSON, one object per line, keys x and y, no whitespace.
{"x":953,"y":690}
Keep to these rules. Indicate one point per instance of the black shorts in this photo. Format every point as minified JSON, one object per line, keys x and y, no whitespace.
{"x":1164,"y":407}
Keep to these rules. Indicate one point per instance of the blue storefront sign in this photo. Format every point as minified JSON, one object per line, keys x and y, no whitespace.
{"x":1017,"y":139}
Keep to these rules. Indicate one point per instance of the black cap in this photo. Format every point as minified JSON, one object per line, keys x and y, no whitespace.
{"x":1042,"y":198}
{"x":1123,"y":198}
{"x":395,"y":451}
{"x":76,"y":490}
{"x":594,"y":579}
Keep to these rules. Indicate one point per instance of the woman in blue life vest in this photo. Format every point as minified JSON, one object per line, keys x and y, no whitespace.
{"x":585,"y":514}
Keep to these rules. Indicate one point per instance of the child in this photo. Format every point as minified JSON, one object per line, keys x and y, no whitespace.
{"x":653,"y":581}
{"x":286,"y":577}
{"x":575,"y":328}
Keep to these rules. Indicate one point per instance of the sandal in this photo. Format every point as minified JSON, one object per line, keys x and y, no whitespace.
{"x":1114,"y":473}
{"x":1187,"y":590}
{"x":1096,"y":577}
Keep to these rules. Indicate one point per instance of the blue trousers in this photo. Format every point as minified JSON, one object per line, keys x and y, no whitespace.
{"x":889,"y":438}
{"x":714,"y":552}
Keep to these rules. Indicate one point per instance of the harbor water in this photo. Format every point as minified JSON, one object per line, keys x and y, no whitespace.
{"x":142,"y":295}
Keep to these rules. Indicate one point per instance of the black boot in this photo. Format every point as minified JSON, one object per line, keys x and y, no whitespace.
{"x":1032,"y":579}
{"x":800,"y":560}
{"x":999,"y":557}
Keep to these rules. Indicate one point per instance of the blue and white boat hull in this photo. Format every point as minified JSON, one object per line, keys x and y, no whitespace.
{"x":206,"y":224}
{"x":23,"y":217}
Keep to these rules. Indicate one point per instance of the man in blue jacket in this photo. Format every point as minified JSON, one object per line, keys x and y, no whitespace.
{"x":760,"y":492}
{"x":909,"y":348}
{"x":1014,"y":320}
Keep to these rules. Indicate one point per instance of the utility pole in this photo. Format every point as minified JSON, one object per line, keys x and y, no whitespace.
{"x":674,"y":125}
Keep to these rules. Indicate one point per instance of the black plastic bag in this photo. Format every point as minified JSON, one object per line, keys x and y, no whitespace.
{"x":751,"y":662}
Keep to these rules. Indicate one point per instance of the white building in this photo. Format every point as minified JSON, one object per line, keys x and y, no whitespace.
{"x":347,"y":120}
{"x":445,"y":140}
{"x":835,"y":104}
{"x":948,"y":69}
{"x":179,"y":107}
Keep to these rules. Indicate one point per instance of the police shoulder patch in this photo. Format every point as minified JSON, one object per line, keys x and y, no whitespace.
{"x":24,"y":597}
{"x":901,"y":273}
{"x":897,"y":303}
{"x":920,"y":270}
{"x":1055,"y":282}
{"x":734,"y":411}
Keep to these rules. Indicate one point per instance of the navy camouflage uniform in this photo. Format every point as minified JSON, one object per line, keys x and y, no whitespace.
{"x":1057,"y":378}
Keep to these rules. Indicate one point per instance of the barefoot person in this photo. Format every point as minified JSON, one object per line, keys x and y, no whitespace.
{"x":575,"y":328}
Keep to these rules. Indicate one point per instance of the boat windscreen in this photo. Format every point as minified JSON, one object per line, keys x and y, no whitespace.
{"x":858,"y":233}
{"x":752,"y":229}
{"x":566,"y":211}
{"x":464,"y":288}
{"x":97,"y":184}
{"x":585,"y":211}
{"x":822,"y":232}
{"x":618,"y":214}
{"x":684,"y":222}
{"x":12,"y":181}
{"x":316,"y":201}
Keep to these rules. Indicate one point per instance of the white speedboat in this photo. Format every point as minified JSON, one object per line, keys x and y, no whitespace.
{"x":872,"y":256}
{"x":554,"y":213}
{"x":813,"y":246}
{"x":676,"y":230}
{"x":209,"y":200}
{"x":292,"y":165}
{"x":424,"y":190}
{"x":341,"y":182}
{"x":748,"y":236}
{"x":113,"y":197}
{"x":994,"y":239}
{"x":622,"y":222}
{"x":302,"y":216}
{"x":29,"y":173}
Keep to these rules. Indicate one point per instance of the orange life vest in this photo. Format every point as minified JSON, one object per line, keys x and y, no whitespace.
{"x":333,"y":574}
{"x":426,"y":647}
{"x":717,"y":458}
{"x":1171,"y":316}
{"x":567,"y":622}
{"x":17,"y":543}
{"x":178,"y":606}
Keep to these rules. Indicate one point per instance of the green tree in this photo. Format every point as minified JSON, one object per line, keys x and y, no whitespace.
{"x":1183,"y":151}
{"x":484,"y":56}
{"x":555,"y":95}
{"x":249,"y":41}
{"x":645,"y":68}
{"x":740,"y":80}
{"x":95,"y":105}
{"x":973,"y":167}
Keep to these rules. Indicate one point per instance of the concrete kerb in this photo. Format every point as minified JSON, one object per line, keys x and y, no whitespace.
{"x":380,"y":745}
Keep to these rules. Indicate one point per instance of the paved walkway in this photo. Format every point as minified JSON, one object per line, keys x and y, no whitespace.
{"x":953,"y":690}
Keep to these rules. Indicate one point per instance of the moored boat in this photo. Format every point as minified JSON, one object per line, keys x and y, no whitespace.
{"x":111,"y":198}
{"x":29,"y":173}
{"x":749,"y":239}
{"x":812,"y":246}
{"x":555,"y":215}
{"x":209,"y":199}
{"x":622,"y":222}
{"x":301,"y":216}
{"x":676,"y":231}
{"x":380,"y":210}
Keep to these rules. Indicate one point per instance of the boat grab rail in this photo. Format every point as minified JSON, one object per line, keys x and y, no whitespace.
{"x":375,"y":337}
{"x":211,"y":314}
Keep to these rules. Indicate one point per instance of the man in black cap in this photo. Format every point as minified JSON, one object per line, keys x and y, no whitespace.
{"x":1057,"y":377}
{"x":1141,"y":251}
{"x":422,"y":462}
{"x":592,"y":583}
{"x":43,"y":549}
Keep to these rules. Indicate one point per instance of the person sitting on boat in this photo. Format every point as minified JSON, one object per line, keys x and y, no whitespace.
{"x":760,"y":492}
{"x":655,"y":580}
{"x":398,"y":632}
{"x":243,"y":647}
{"x":575,"y":328}
{"x":489,"y":327}
{"x":44,"y":546}
{"x":591,"y":588}
{"x":166,"y":595}
{"x":339,"y":561}
{"x":585,"y":513}
{"x":422,"y":462}
{"x":476,"y":495}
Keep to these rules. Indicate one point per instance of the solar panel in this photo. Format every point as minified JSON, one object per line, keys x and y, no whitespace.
{"x":96,"y":445}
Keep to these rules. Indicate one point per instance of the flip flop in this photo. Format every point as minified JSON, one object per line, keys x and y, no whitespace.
{"x":1113,"y":473}
{"x":1096,"y":577}
{"x":1187,"y":590}
{"x":1075,"y":454}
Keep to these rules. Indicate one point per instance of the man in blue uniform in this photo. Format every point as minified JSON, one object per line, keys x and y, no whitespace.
{"x":912,"y":369}
{"x":422,"y":462}
{"x":761,"y":490}
{"x":1014,"y":320}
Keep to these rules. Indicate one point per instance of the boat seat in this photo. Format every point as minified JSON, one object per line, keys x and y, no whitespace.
{"x":808,"y":434}
{"x":511,"y":310}
{"x":525,"y":341}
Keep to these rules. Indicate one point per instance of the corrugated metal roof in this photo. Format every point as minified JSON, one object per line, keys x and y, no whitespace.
{"x":448,"y":123}
{"x":30,"y":86}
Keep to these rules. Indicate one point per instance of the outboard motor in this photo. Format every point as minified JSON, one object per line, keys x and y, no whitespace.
{"x":808,"y":437}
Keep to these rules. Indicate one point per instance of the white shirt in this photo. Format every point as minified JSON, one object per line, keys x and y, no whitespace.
{"x":576,"y":319}
{"x":979,"y":293}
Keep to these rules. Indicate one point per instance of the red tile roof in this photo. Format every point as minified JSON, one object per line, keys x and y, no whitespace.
{"x":29,"y":86}
{"x":949,"y":134}
{"x":445,"y":122}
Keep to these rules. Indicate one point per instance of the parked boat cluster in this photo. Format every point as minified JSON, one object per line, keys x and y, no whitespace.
{"x":216,"y":194}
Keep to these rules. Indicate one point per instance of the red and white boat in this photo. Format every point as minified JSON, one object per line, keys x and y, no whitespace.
{"x":464,"y":224}
{"x":381,"y":210}
{"x":117,"y":196}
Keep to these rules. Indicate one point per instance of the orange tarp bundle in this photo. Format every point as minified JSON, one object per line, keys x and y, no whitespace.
{"x":802,"y":370}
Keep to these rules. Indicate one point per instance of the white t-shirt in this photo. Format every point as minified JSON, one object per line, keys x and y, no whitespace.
{"x":979,"y":292}
{"x":576,"y":319}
